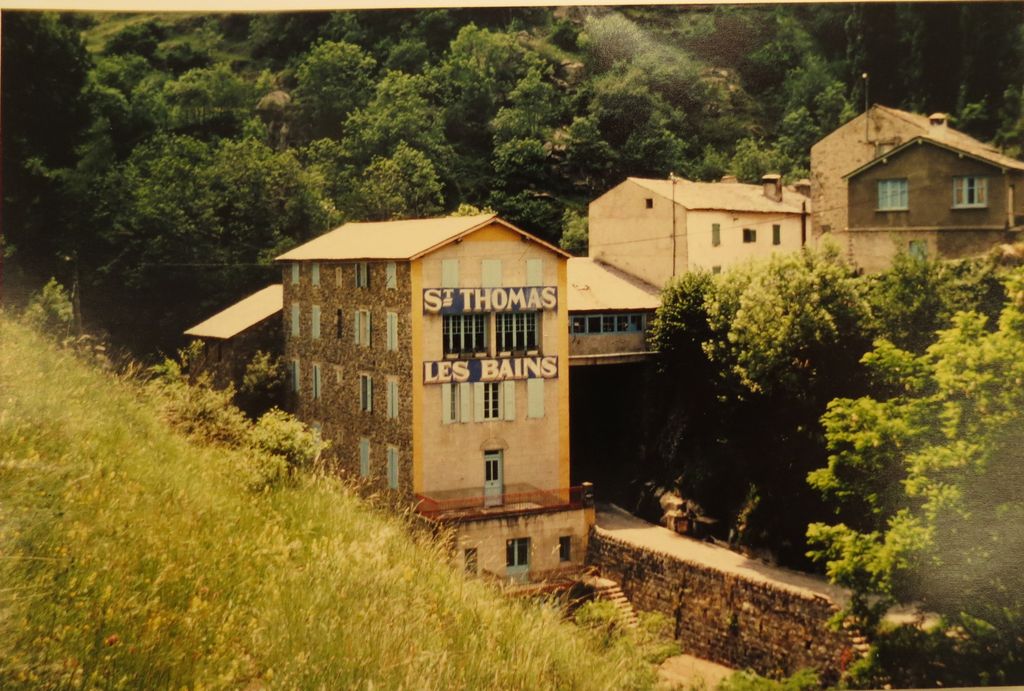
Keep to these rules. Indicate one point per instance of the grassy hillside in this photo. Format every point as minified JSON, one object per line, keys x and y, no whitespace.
{"x":133,"y":558}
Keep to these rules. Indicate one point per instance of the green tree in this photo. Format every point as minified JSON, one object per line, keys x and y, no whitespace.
{"x":948,"y":534}
{"x":574,"y":233}
{"x":207,"y":94}
{"x":402,"y":186}
{"x":333,"y":79}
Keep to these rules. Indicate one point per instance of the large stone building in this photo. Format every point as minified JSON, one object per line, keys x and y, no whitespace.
{"x":659,"y":229}
{"x":890,"y":181}
{"x":433,"y":355}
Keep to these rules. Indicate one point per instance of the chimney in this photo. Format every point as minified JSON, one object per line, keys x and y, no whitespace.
{"x":728,"y":179}
{"x":772,"y":183}
{"x":803,"y":186}
{"x":938,"y":120}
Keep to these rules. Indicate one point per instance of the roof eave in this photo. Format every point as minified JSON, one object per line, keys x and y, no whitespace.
{"x":493,"y":219}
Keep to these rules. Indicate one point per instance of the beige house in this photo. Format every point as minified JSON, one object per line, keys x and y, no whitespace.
{"x":231,"y":337}
{"x":433,"y":354}
{"x":888,"y":181}
{"x":658,"y":229}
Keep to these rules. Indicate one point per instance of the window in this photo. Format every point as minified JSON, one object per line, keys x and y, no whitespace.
{"x":749,"y":235}
{"x":315,"y":330}
{"x":392,"y":331}
{"x":456,"y":402}
{"x":314,"y":275}
{"x":716,"y":234}
{"x":362,"y":275}
{"x":776,"y":234}
{"x":392,"y":275}
{"x":361,"y":330}
{"x":918,"y":249}
{"x":295,"y":376}
{"x":316,"y":382}
{"x":295,"y":319}
{"x":295,"y":273}
{"x":565,"y":548}
{"x":608,"y":323}
{"x":535,"y":398}
{"x":365,"y":393}
{"x":449,"y":273}
{"x":970,"y":191}
{"x":340,"y":323}
{"x":649,"y":203}
{"x":492,"y":400}
{"x":364,"y":457}
{"x":464,"y":334}
{"x":337,"y":276}
{"x":892,"y":195}
{"x":534,"y":272}
{"x":490,"y":273}
{"x":517,"y":331}
{"x":470,"y":560}
{"x":517,"y":552}
{"x":392,"y":398}
{"x":716,"y":269}
{"x":392,"y":467}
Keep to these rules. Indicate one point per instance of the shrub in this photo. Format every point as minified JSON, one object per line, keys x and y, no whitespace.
{"x":50,"y":310}
{"x":280,"y":434}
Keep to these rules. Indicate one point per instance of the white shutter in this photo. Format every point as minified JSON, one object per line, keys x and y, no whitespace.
{"x":449,"y":273}
{"x":392,"y":399}
{"x":534,"y":272}
{"x":478,"y":401}
{"x":510,"y":399}
{"x":446,"y":403}
{"x":535,"y":397}
{"x":315,"y":274}
{"x":316,"y":321}
{"x":392,"y":275}
{"x":465,"y":402}
{"x":490,"y":273}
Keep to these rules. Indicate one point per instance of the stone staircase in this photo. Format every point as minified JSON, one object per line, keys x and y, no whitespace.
{"x":608,"y":590}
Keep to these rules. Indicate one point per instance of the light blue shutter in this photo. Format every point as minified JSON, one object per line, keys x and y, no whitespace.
{"x":295,"y":319}
{"x":510,"y":399}
{"x":449,"y":273}
{"x":392,"y":467}
{"x":295,"y":273}
{"x":534,"y":272}
{"x":535,"y":397}
{"x":316,"y":322}
{"x":392,"y":275}
{"x":364,"y":457}
{"x":490,"y":273}
{"x":357,"y":329}
{"x":315,"y":274}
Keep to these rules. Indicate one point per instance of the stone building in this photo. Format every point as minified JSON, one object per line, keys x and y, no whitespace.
{"x":849,"y":165}
{"x":231,"y":337}
{"x":433,"y":355}
{"x":659,"y":229}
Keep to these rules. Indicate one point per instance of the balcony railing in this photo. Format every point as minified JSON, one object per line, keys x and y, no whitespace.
{"x":481,"y":505}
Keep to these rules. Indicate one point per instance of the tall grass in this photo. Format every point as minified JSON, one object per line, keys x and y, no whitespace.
{"x":133,"y":558}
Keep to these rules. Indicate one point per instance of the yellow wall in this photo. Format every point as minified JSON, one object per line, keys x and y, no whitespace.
{"x":732,"y":250}
{"x":536,"y":451}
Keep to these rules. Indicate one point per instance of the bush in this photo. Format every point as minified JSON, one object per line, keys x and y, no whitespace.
{"x":50,"y":310}
{"x":280,"y":434}
{"x":262,"y":384}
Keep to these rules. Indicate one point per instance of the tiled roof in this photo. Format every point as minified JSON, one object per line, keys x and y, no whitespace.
{"x":396,"y":239}
{"x":241,"y":315}
{"x":724,"y":196}
{"x":595,"y":286}
{"x":942,"y":135}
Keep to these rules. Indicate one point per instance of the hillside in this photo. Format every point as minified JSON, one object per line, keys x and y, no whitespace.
{"x":134,"y":558}
{"x":172,"y":156}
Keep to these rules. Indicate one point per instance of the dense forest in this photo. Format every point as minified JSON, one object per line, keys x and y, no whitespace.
{"x":157,"y":163}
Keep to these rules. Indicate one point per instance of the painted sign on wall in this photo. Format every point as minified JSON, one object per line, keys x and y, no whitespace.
{"x":462,"y":300}
{"x":493,"y":369}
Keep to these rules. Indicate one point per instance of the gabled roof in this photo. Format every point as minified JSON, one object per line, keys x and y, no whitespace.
{"x":408,"y":239}
{"x":978,"y":153}
{"x":940,"y":133}
{"x":723,"y":196}
{"x":241,"y":315}
{"x":595,"y":286}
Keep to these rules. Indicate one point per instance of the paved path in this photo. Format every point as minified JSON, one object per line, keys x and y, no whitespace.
{"x":613,"y":521}
{"x":689,"y":672}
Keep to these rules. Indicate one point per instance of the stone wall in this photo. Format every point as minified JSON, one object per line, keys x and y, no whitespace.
{"x":725,"y":617}
{"x":226,"y":359}
{"x":342,"y":360}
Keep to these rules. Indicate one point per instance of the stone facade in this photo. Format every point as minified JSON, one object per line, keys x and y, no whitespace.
{"x":874,"y":236}
{"x":726,"y":618}
{"x":342,"y":360}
